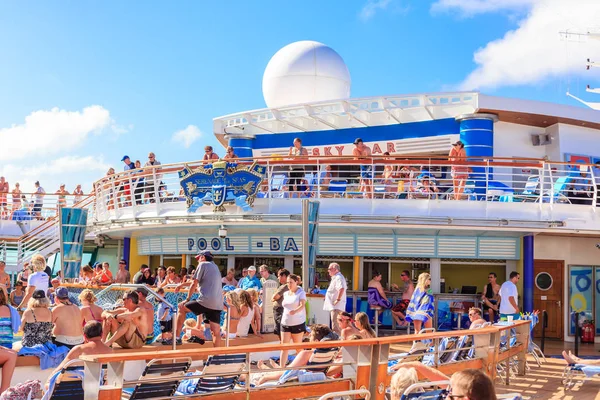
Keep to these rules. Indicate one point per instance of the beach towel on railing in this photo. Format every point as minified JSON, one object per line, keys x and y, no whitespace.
{"x":15,"y":319}
{"x":50,"y":355}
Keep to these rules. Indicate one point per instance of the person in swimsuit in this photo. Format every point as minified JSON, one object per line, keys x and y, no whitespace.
{"x":165,"y":319}
{"x":399,"y":310}
{"x":4,"y":279}
{"x":89,"y":310}
{"x":37,"y":320}
{"x":16,"y":197}
{"x":376,"y":294}
{"x":148,"y":316}
{"x":297,"y":151}
{"x":16,"y":296}
{"x":62,"y":196}
{"x":490,"y":296}
{"x":67,"y":319}
{"x":125,"y":325}
{"x":360,"y":152}
{"x":234,"y":308}
{"x":6,"y":331}
{"x":460,"y":173}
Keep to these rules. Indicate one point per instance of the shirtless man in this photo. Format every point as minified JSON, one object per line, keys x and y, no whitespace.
{"x":362,"y":151}
{"x":92,"y":333}
{"x":123,"y":275}
{"x":4,"y":278}
{"x":399,"y":310}
{"x":490,"y":296}
{"x":148,"y":317}
{"x":67,"y":320}
{"x":125,"y":325}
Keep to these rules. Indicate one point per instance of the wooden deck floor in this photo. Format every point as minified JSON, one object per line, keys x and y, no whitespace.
{"x":545,"y":382}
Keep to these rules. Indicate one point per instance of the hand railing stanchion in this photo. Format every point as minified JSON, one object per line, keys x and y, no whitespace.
{"x":544,"y":326}
{"x":228,"y":326}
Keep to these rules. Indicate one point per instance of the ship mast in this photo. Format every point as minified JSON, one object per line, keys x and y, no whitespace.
{"x":588,"y":65}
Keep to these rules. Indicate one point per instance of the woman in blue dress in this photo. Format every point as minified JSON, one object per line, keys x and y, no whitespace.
{"x":376,"y":294}
{"x":420,"y":309}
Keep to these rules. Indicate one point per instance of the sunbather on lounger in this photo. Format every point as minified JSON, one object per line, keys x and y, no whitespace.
{"x":407,"y":374}
{"x":317,"y":332}
{"x":572,"y":359}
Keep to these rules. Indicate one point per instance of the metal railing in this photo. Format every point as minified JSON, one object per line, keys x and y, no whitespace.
{"x":28,"y":206}
{"x":364,"y":362}
{"x":378,"y":178}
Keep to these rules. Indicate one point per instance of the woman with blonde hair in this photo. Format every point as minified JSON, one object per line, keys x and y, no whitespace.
{"x":39,"y":280}
{"x":257,"y":319}
{"x":407,"y":374}
{"x":235,"y":311}
{"x":37,"y":320}
{"x":361,"y":320}
{"x":420,"y":308}
{"x":89,"y":310}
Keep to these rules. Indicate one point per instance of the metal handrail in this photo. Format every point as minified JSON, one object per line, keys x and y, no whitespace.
{"x":358,"y":392}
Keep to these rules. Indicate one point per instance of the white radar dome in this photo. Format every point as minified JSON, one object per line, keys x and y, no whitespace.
{"x":305,"y":72}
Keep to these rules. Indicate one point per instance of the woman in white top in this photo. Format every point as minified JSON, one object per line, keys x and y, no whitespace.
{"x":293,"y":320}
{"x":39,"y":280}
{"x":246,"y":315}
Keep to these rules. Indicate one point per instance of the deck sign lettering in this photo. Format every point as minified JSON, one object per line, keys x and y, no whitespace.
{"x":215,"y":244}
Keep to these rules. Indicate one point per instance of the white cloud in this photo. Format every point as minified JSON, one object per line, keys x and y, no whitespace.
{"x":186,"y":137}
{"x":47,"y":132}
{"x":371,"y":8}
{"x":534,"y":51}
{"x":71,"y":170}
{"x":473,"y":7}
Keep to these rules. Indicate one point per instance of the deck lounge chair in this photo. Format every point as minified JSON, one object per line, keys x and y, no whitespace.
{"x":68,"y":384}
{"x":145,"y":390}
{"x":417,"y":391}
{"x":221,"y":373}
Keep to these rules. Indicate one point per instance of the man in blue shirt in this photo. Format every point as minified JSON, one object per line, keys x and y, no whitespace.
{"x":250,"y":280}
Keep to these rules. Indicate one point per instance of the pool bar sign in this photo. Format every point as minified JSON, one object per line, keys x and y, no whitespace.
{"x":246,"y":244}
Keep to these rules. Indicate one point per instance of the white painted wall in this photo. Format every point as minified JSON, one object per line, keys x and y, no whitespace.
{"x":513,"y":140}
{"x":573,"y":251}
{"x":579,"y":140}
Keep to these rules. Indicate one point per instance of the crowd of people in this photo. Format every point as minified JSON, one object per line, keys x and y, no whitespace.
{"x":14,"y":204}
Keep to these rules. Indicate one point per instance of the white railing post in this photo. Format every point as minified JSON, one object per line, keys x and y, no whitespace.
{"x":593,"y":189}
{"x":487,"y":179}
{"x":156,"y":190}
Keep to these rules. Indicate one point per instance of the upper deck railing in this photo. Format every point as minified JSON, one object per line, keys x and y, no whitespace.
{"x":498,"y":183}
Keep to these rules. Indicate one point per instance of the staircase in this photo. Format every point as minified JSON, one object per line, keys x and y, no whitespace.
{"x":44,"y":239}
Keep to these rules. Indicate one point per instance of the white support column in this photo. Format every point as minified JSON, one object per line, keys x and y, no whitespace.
{"x":435,"y":269}
{"x":230,"y":262}
{"x":288,"y":263}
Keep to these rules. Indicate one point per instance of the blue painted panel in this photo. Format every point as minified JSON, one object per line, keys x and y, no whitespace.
{"x":479,"y":151}
{"x":373,"y":133}
{"x":483,"y":123}
{"x":242,"y":146}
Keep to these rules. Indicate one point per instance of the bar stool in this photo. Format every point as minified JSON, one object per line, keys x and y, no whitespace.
{"x":377,"y":310}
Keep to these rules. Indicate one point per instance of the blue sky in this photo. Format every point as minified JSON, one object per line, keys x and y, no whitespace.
{"x":154,"y":68}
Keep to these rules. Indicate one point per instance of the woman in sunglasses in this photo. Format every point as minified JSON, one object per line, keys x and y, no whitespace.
{"x":347,"y":327}
{"x":209,"y":155}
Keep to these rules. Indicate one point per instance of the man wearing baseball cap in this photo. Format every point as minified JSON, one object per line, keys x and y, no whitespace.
{"x":67,"y":319}
{"x":209,"y":303}
{"x":250,"y":281}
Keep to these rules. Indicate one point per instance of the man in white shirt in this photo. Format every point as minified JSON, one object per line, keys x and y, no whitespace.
{"x":509,"y":297}
{"x":335,"y":298}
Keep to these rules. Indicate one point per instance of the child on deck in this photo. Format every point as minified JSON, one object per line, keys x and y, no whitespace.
{"x":163,"y":314}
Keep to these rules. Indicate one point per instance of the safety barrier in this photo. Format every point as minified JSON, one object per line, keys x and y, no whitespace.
{"x":364,"y":363}
{"x":155,"y":191}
